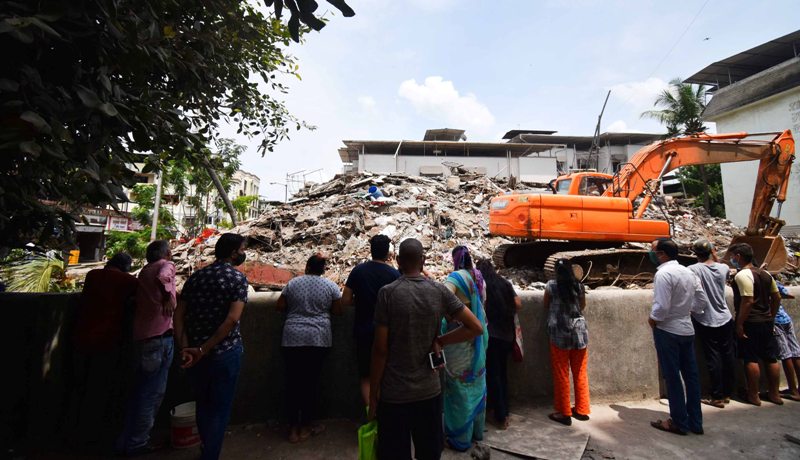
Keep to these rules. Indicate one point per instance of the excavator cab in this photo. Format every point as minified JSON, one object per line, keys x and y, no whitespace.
{"x":586,"y":183}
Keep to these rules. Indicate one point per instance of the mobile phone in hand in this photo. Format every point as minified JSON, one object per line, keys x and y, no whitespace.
{"x":437,"y":361}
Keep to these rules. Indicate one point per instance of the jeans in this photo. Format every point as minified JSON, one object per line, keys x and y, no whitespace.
{"x":153,"y":358}
{"x":399,"y":424}
{"x":213,"y":380}
{"x":497,"y":376}
{"x":677,"y":359}
{"x":303,"y":369}
{"x":720,"y":352}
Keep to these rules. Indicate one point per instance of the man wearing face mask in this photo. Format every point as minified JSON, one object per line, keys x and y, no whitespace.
{"x":677,"y":293}
{"x":756,"y":299}
{"x":207,"y":330}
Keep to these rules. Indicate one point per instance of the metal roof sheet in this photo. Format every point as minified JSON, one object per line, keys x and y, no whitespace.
{"x":748,"y":63}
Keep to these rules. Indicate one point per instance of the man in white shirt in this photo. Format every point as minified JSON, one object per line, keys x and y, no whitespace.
{"x":677,"y":293}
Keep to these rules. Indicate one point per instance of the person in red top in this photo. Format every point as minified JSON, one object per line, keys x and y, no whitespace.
{"x":153,"y":348}
{"x":98,"y":340}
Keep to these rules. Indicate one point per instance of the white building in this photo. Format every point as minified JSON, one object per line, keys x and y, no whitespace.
{"x":756,"y":91}
{"x":529,"y":155}
{"x":573,"y":152}
{"x":246,"y":184}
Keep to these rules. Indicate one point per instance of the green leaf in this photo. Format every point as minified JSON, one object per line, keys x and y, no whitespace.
{"x":31,"y":148}
{"x":108,"y":109}
{"x":105,"y":82}
{"x":36,"y":120}
{"x":8,"y":85}
{"x":40,"y":24}
{"x":88,"y":97}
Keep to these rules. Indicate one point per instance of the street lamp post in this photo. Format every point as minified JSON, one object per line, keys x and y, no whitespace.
{"x":285,"y":190}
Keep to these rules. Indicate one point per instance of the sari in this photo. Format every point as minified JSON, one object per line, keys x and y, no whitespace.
{"x":465,"y":373}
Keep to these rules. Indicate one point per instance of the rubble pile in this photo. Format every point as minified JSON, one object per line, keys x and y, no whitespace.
{"x":691,"y":223}
{"x":337,"y":218}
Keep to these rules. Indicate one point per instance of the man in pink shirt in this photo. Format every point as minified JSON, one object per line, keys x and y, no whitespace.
{"x":153,"y":347}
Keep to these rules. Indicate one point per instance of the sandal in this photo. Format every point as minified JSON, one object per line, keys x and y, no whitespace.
{"x":578,"y":416}
{"x":714,"y":402}
{"x":666,"y":425}
{"x":790,"y":396}
{"x":562,"y":419}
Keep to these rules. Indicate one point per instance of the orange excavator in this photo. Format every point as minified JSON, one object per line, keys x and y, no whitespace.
{"x":590,"y":215}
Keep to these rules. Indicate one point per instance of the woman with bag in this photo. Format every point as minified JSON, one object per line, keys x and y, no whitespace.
{"x":502,"y":305}
{"x":565,"y":300}
{"x":465,"y":376}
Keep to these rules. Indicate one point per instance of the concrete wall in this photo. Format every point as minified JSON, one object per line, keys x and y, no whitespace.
{"x":36,"y":352}
{"x":537,"y":169}
{"x":775,"y":113}
{"x":540,"y":167}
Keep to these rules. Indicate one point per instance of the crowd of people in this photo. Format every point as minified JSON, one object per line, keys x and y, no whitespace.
{"x":432,"y":357}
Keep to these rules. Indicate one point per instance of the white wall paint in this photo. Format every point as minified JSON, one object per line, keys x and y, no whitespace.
{"x":538,"y":169}
{"x":775,"y":113}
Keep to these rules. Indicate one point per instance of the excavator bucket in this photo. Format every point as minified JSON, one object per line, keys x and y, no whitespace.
{"x":768,"y":251}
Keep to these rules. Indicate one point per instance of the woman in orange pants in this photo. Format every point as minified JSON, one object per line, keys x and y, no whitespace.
{"x":565,"y":300}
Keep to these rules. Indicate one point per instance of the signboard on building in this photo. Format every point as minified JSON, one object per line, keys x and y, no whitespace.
{"x":119,"y":223}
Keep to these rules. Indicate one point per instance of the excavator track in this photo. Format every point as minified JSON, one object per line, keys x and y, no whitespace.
{"x":534,"y":254}
{"x":605,"y":266}
{"x":610,"y":267}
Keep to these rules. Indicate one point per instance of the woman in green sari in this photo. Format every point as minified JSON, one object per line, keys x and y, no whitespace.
{"x":465,"y":376}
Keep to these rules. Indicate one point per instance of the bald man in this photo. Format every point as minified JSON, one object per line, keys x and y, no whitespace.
{"x":404,"y":387}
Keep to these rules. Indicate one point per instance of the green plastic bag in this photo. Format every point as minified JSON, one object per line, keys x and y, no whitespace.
{"x":368,"y":441}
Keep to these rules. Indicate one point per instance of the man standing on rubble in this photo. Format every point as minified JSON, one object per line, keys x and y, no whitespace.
{"x":361,"y":289}
{"x":715,"y":326}
{"x":677,"y":293}
{"x":405,"y":390}
{"x":756,"y":299}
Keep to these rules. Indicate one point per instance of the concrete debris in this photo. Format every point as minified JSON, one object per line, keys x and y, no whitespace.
{"x":338,"y":217}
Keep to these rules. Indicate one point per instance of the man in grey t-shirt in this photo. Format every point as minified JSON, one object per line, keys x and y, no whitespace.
{"x":404,"y":388}
{"x":715,"y":326}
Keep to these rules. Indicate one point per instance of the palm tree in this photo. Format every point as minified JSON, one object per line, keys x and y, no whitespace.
{"x":681,"y":105}
{"x":682,"y":108}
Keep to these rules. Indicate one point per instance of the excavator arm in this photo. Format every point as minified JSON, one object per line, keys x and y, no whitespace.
{"x":775,"y":157}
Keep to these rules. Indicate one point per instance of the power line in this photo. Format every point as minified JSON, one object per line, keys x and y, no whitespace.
{"x":679,"y":38}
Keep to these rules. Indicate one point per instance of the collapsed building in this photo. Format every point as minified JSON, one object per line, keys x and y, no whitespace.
{"x":337,"y":218}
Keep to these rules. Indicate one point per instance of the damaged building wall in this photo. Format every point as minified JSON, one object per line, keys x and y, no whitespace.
{"x":538,"y":168}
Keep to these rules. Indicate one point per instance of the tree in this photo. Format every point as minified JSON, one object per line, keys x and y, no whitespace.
{"x":682,"y":109}
{"x":242,"y":205}
{"x":192,"y":183}
{"x":84,"y":86}
{"x":709,"y":186}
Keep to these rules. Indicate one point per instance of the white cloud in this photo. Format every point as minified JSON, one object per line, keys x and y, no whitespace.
{"x":439,"y":100}
{"x":367,"y":103}
{"x":620,"y":126}
{"x":639,"y":95}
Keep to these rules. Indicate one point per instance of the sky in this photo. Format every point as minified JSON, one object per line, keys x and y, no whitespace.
{"x":400,"y":67}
